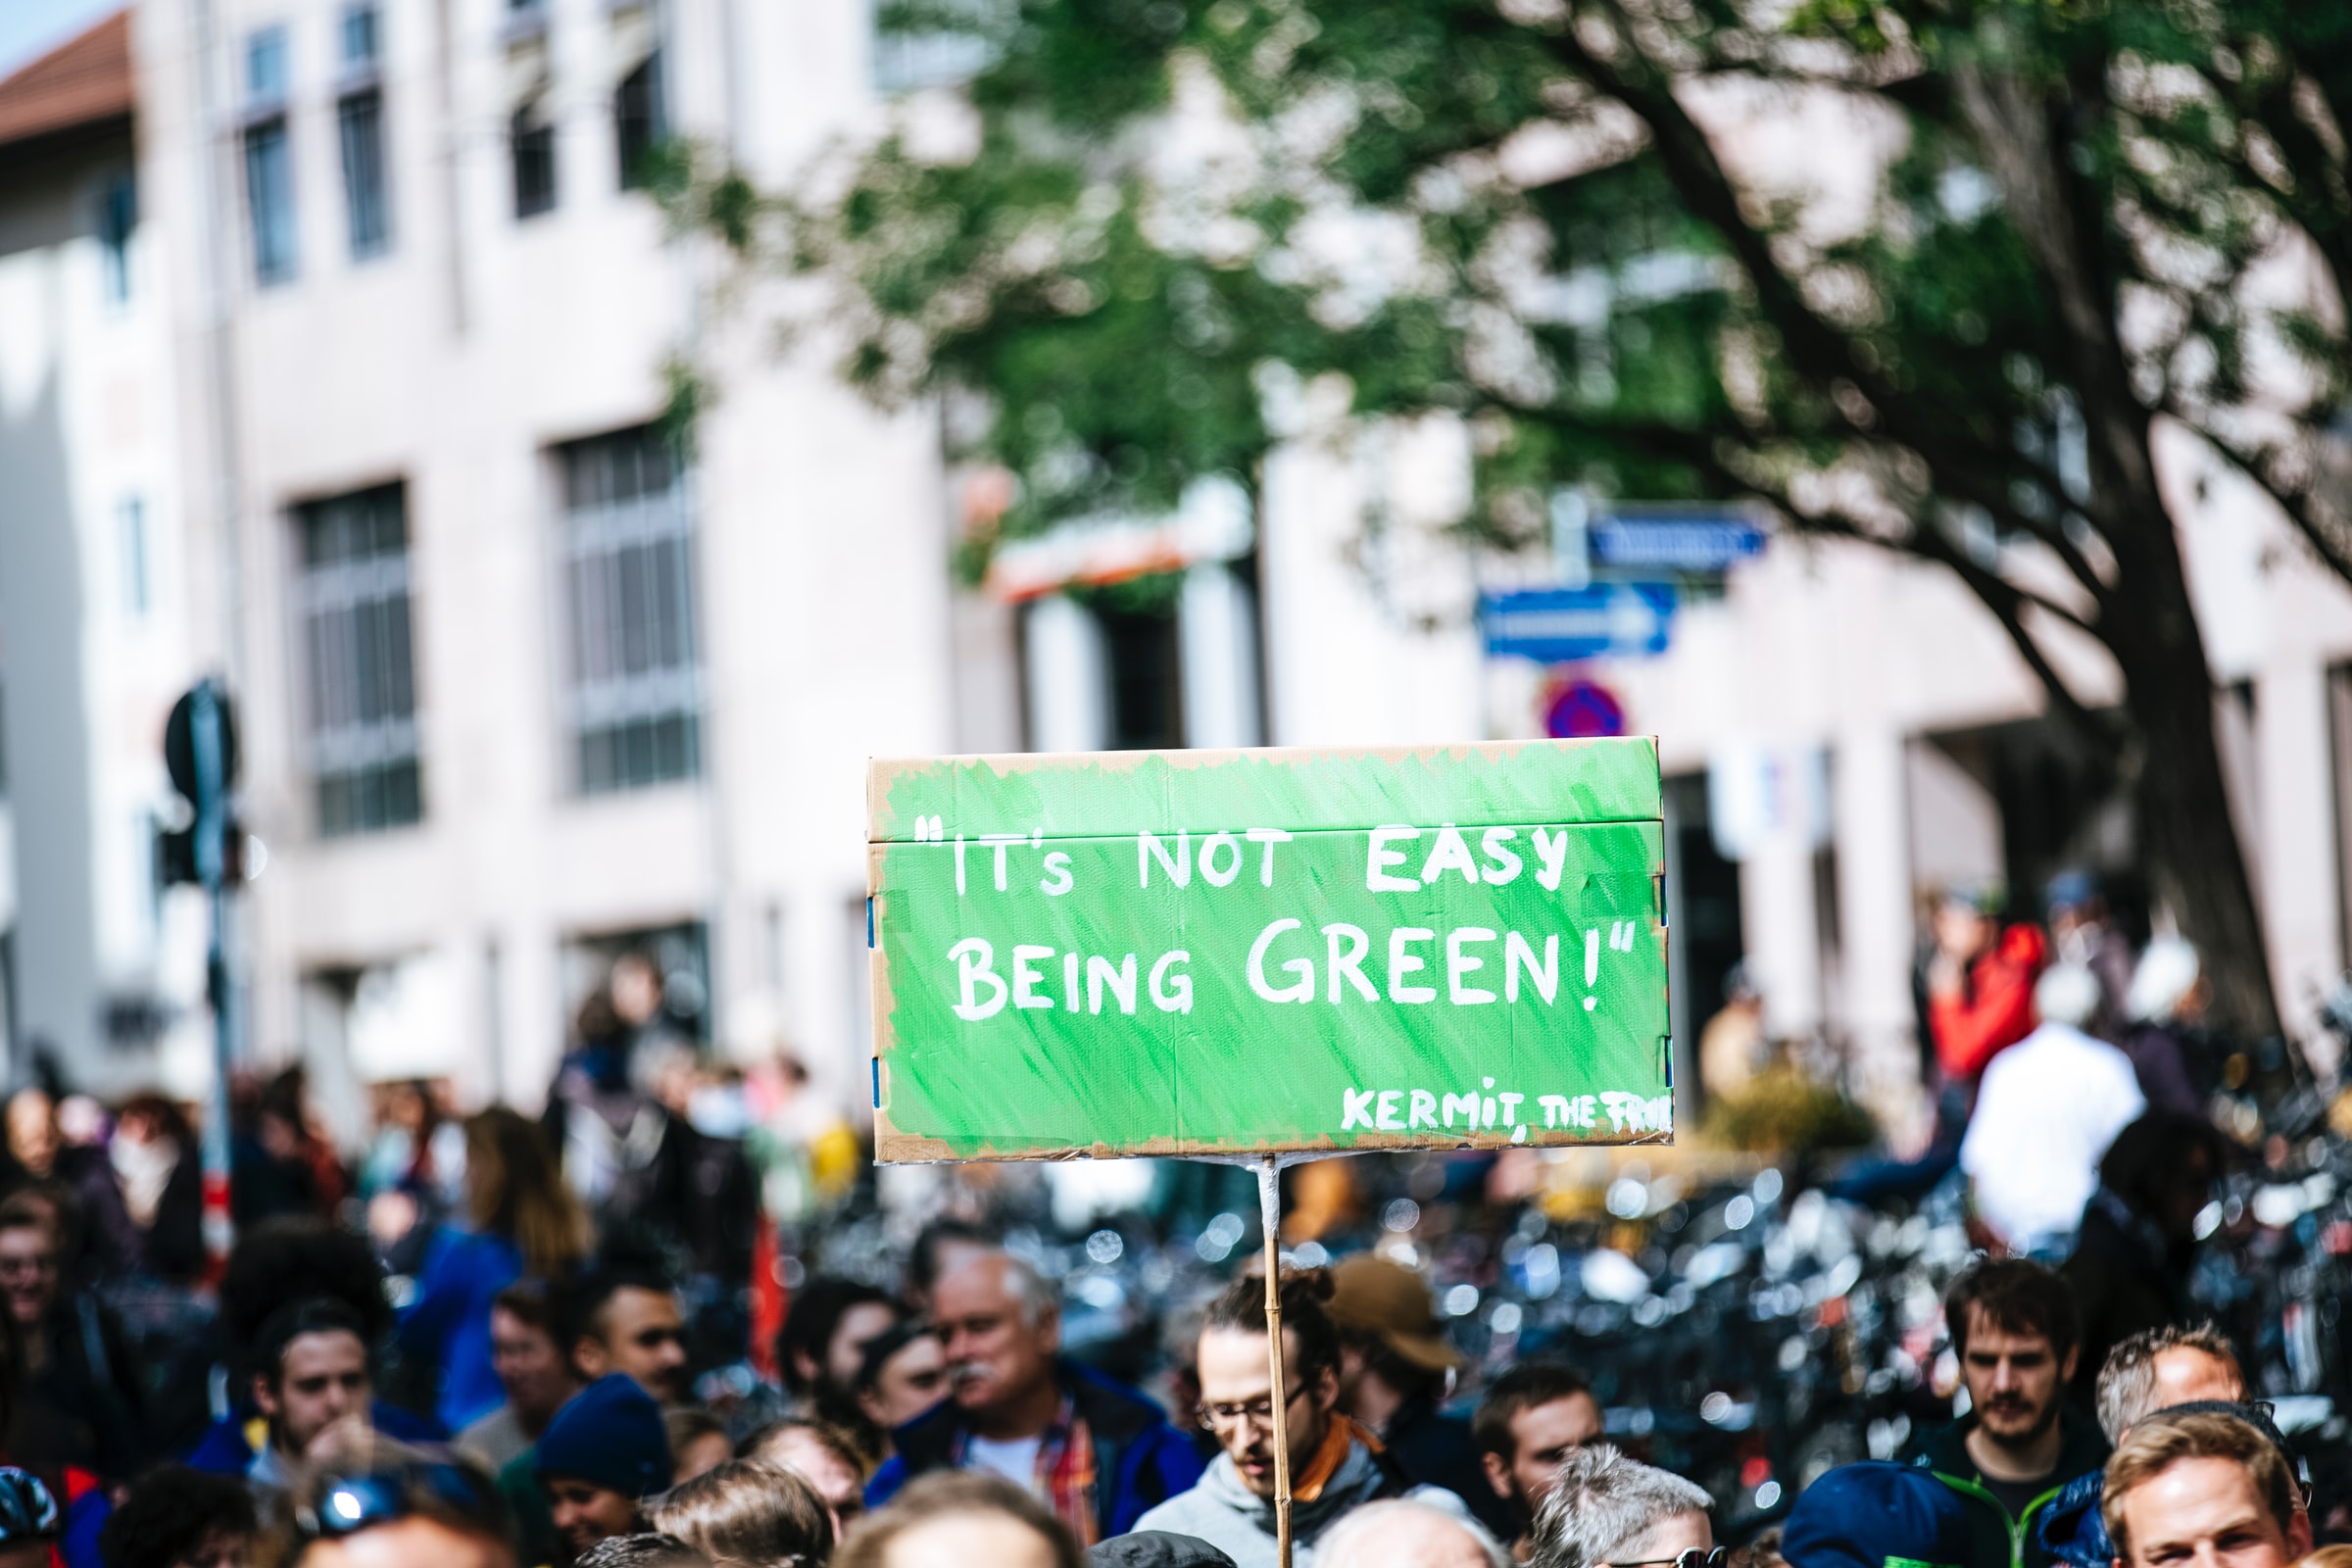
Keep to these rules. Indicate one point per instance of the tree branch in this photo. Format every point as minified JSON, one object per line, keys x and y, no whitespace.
{"x":1824,"y":353}
{"x":2254,"y":462}
{"x":2007,"y":601}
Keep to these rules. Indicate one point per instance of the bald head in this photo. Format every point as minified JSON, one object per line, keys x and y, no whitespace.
{"x":1407,"y":1534}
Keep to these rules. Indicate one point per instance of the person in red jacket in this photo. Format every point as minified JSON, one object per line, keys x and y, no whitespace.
{"x":1980,"y":983}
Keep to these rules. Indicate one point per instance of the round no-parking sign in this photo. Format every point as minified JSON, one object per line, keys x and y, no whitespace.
{"x":1580,"y":709}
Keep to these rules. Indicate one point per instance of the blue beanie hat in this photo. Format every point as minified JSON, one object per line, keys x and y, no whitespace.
{"x":1874,"y":1515}
{"x":611,"y":1432}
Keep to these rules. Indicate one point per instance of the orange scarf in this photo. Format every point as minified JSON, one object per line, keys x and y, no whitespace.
{"x":1343,"y":1431}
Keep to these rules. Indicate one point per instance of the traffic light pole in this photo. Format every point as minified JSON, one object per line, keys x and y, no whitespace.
{"x":207,"y":731}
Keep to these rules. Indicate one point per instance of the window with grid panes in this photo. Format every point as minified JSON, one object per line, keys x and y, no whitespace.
{"x":363,"y":751}
{"x":628,"y":583}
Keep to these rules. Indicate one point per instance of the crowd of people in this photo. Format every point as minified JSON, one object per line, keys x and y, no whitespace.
{"x":968,"y":1437}
{"x":585,"y":1339}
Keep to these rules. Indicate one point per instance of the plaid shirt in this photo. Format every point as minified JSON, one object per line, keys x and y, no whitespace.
{"x":1065,"y":1477}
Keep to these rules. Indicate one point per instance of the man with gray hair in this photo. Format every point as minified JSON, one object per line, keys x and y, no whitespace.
{"x":1406,"y":1532}
{"x":2153,"y":1370}
{"x":1096,"y":1453}
{"x":2156,"y":1369}
{"x":1610,"y":1511}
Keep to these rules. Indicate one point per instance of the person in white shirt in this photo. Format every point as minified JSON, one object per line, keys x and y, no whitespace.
{"x":2046,"y":1110}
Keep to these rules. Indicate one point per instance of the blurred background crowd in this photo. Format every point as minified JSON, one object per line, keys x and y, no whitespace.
{"x":1782,"y":1295}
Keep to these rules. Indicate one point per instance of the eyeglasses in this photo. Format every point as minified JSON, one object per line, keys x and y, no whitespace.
{"x":1260,"y":1411}
{"x":27,"y":1509}
{"x":1691,"y":1557}
{"x":347,"y":1505}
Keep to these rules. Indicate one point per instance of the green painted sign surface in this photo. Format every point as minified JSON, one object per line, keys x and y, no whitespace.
{"x":1234,"y":952}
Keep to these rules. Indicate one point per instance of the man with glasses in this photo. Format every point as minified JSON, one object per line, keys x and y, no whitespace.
{"x":1336,"y":1465}
{"x":1608,"y":1511}
{"x":1531,"y":1418}
{"x":1094,"y":1452}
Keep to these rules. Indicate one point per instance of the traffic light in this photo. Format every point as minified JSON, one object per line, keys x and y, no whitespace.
{"x":200,"y":752}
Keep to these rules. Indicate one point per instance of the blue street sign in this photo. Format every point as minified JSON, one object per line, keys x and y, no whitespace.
{"x":1699,"y":540}
{"x":1559,"y":626}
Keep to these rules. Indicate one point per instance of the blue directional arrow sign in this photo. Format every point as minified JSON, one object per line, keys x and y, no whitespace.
{"x":1559,"y":626}
{"x":1698,"y":539}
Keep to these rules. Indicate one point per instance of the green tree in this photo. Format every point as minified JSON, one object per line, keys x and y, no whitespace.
{"x":2081,"y":218}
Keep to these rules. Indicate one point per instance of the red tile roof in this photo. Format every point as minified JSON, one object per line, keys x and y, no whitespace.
{"x":81,"y":83}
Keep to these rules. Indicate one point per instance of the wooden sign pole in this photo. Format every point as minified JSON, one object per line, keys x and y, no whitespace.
{"x":1269,"y":1210}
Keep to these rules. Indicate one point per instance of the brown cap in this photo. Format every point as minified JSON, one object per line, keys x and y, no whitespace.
{"x":1372,"y":1296}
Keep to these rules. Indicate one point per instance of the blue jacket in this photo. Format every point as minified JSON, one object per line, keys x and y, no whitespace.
{"x":1140,"y":1459}
{"x":2072,"y":1528}
{"x":448,"y":1322}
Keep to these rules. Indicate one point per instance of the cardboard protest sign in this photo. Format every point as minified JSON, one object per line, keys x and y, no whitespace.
{"x":1165,"y":952}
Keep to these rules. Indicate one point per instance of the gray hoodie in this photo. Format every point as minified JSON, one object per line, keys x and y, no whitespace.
{"x":1229,"y":1516}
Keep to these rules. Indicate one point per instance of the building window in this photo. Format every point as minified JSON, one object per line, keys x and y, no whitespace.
{"x":360,"y":114}
{"x":270,"y":199}
{"x":130,"y":526}
{"x":269,"y":159}
{"x":534,"y":143}
{"x":1145,"y":708}
{"x":363,"y":692}
{"x":638,"y":123}
{"x":118,"y":216}
{"x":628,"y":581}
{"x":265,"y":68}
{"x":360,"y":38}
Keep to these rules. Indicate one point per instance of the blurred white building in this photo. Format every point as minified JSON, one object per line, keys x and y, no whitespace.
{"x":334,"y":341}
{"x":517,"y":690}
{"x":96,"y":632}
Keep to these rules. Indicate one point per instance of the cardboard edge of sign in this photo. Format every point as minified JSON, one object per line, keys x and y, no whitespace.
{"x":883,"y":772}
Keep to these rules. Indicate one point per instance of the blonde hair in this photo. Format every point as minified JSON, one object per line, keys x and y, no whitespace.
{"x":747,"y":1513}
{"x":513,"y":1190}
{"x":2167,"y":1438}
{"x":951,"y":1494}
